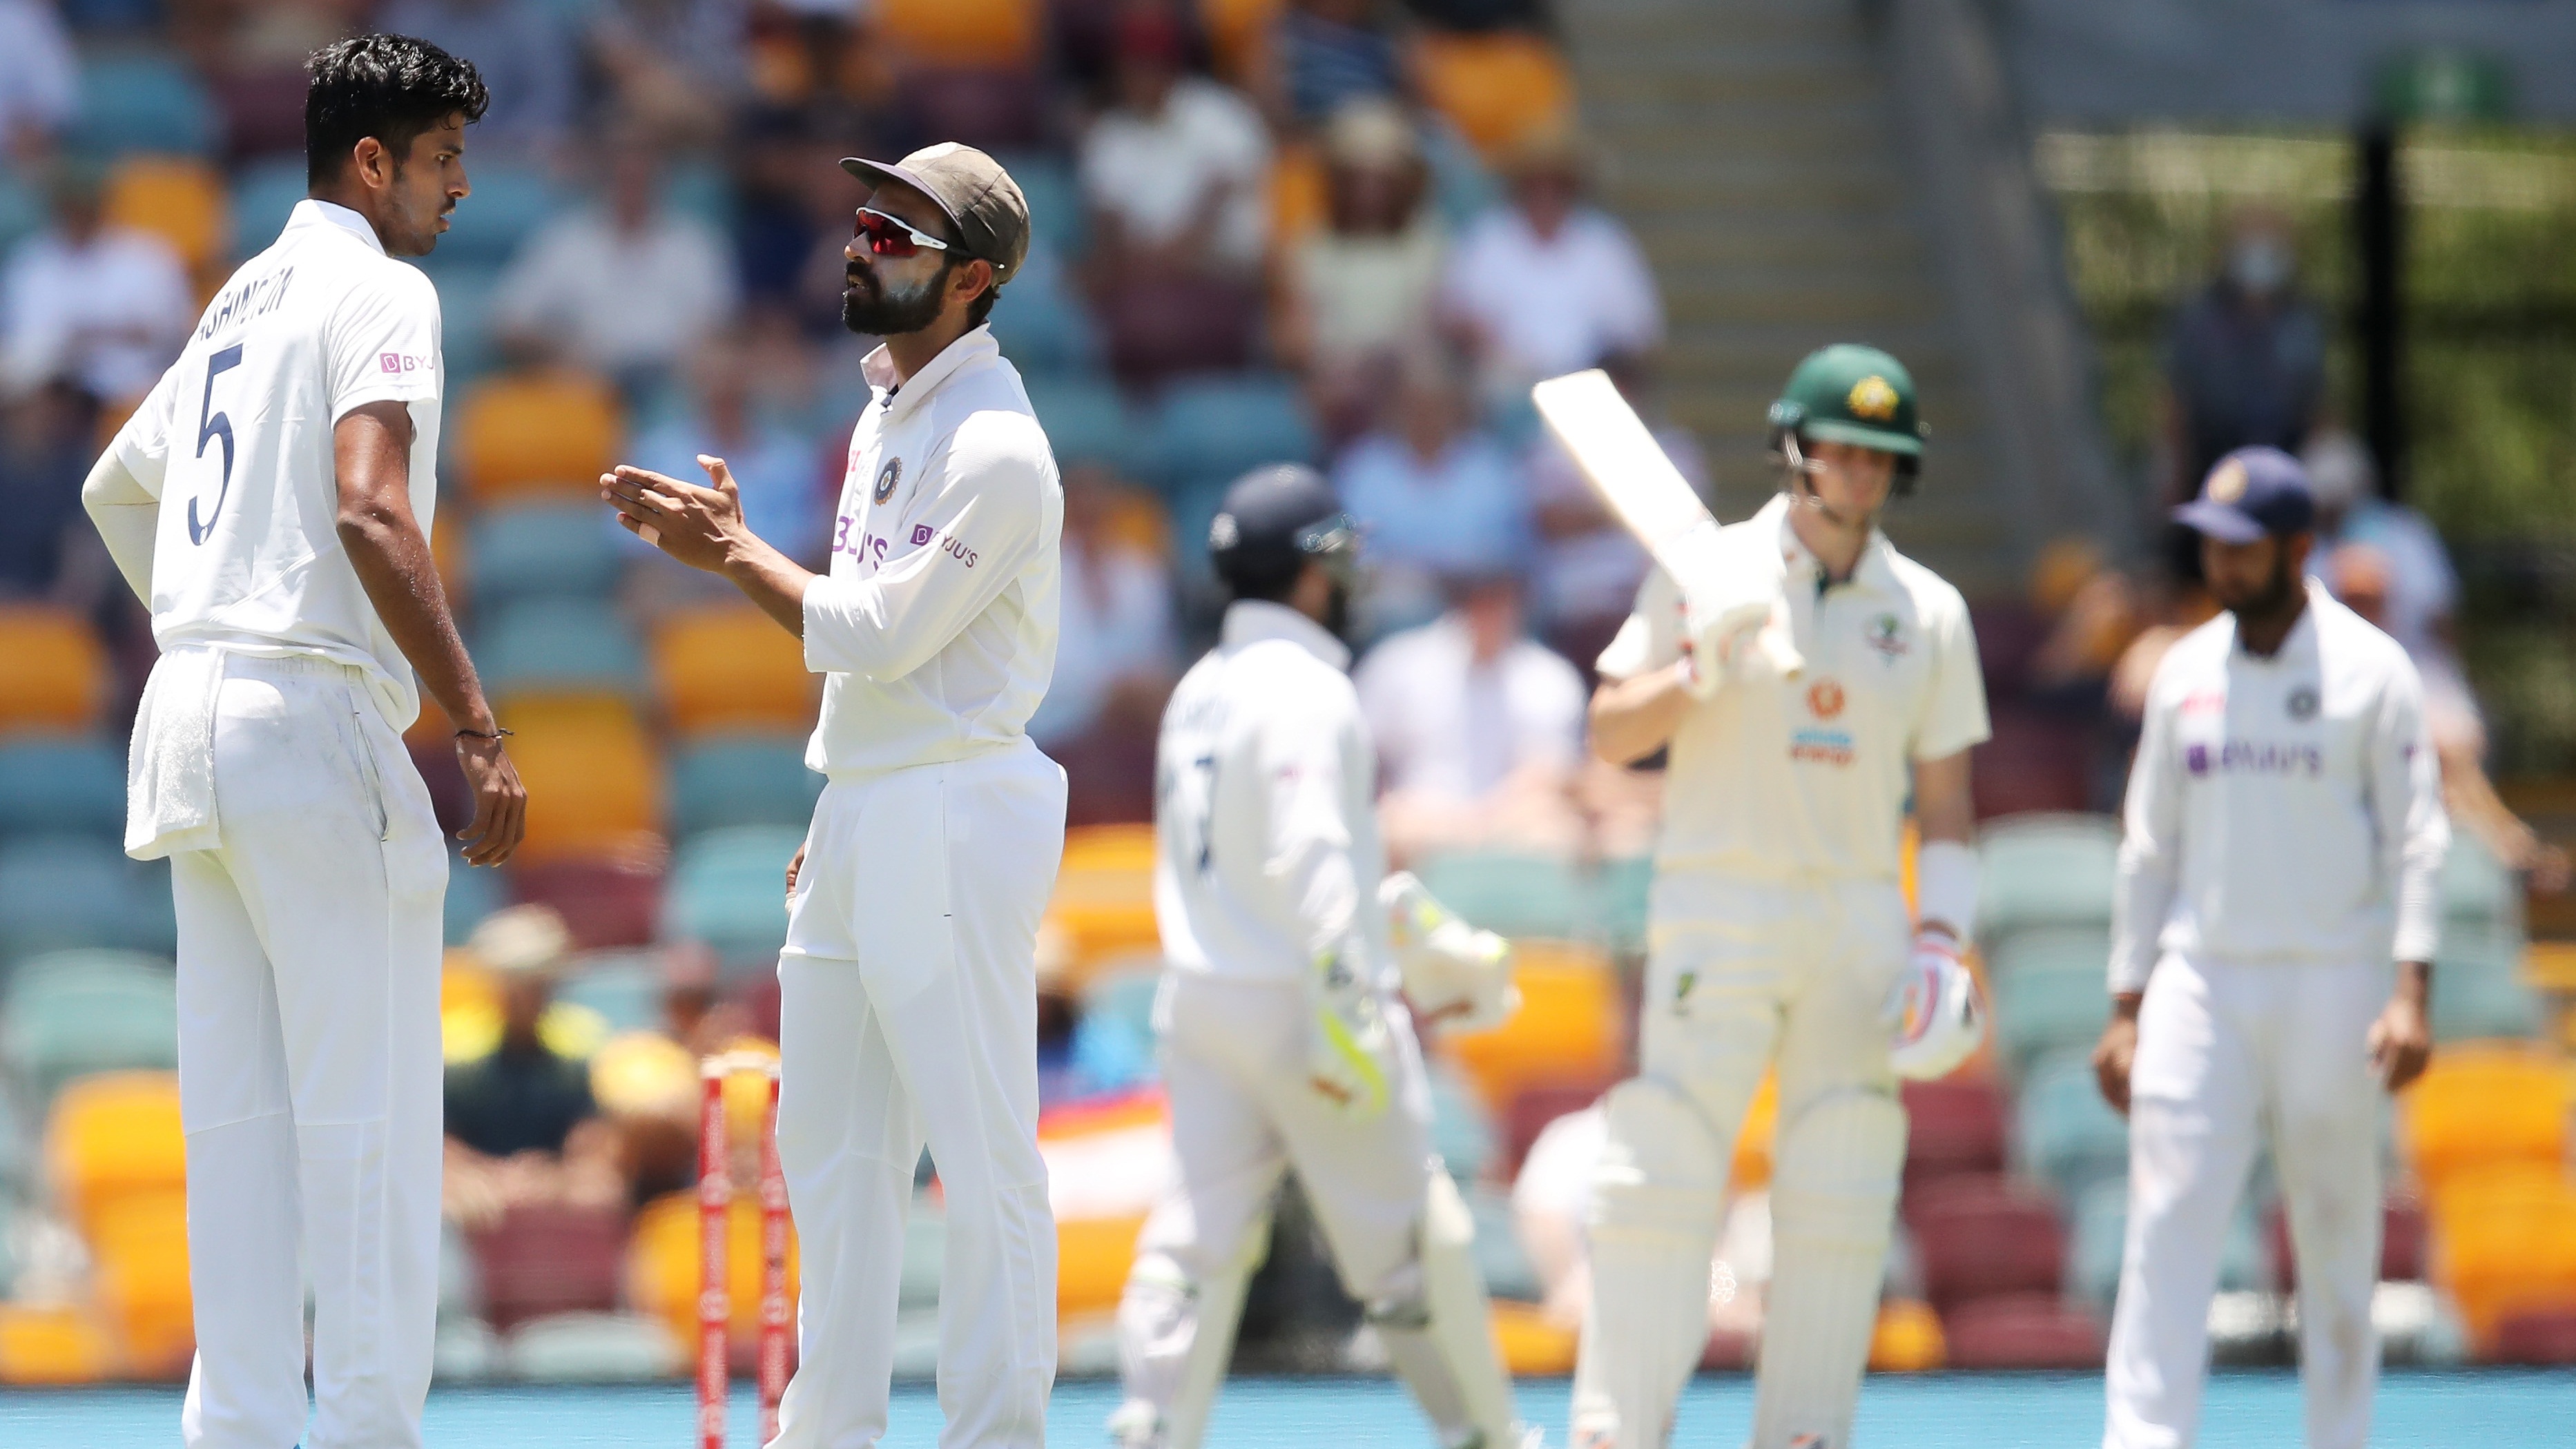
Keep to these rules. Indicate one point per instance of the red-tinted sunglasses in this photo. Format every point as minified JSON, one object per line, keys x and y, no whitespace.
{"x":891,"y":236}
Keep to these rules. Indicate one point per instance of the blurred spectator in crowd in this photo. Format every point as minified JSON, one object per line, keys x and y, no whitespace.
{"x":1479,"y":729}
{"x":106,"y":306}
{"x":1548,"y":283}
{"x":695,"y":1011}
{"x":39,"y":78}
{"x":2244,"y":363}
{"x":1589,"y":566}
{"x":48,"y":436}
{"x":1552,"y":1199}
{"x":2422,"y":590}
{"x":780,"y":215}
{"x":1081,"y":1057}
{"x":1320,"y":55}
{"x":1348,"y":297}
{"x":517,"y":1114}
{"x":1438,"y":493}
{"x":1117,"y":651}
{"x":2088,"y":612}
{"x":1173,"y":170}
{"x":675,"y":65}
{"x":626,"y":285}
{"x":527,"y":57}
{"x":2365,"y":576}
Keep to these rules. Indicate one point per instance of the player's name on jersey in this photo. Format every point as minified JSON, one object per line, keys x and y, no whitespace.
{"x":254,"y":298}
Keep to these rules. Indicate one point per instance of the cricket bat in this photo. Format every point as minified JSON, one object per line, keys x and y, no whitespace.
{"x":1645,"y":492}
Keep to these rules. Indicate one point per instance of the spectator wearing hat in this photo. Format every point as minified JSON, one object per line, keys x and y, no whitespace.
{"x":1173,"y":169}
{"x":1547,"y":283}
{"x":1348,"y":297}
{"x":1479,"y":729}
{"x":105,"y":306}
{"x":1438,"y":493}
{"x":514,"y":1112}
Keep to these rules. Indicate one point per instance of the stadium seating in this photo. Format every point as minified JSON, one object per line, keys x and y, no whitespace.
{"x":537,"y":433}
{"x":594,"y":786}
{"x":732,"y":669}
{"x":2483,"y":1104}
{"x":1104,"y":895}
{"x":2065,"y":1134}
{"x":994,"y":107}
{"x":1164,"y":327}
{"x":741,"y":779}
{"x":558,"y":647}
{"x":510,"y":203}
{"x":1299,"y":193}
{"x":139,"y":1243}
{"x":605,"y":902}
{"x":1514,"y":895}
{"x":1497,"y":87}
{"x":264,"y":193}
{"x":144,"y":101}
{"x":2099,"y":1234}
{"x":1567,"y":1033}
{"x":1041,"y":326}
{"x":58,"y":892}
{"x":2480,"y":991}
{"x":53,"y":674}
{"x":728,"y":889}
{"x":2037,"y":1012}
{"x":472,"y":894}
{"x":467,"y":343}
{"x":626,"y":991}
{"x":2023,"y":1331}
{"x":662,"y":1265}
{"x":2536,"y":1338}
{"x":2506,"y":1249}
{"x":112,"y":1137}
{"x":1000,"y":33}
{"x":542,"y":1259}
{"x":1907,"y":1338}
{"x":1086,"y":421}
{"x":2045,"y":870}
{"x":542,"y":550}
{"x":1236,"y":32}
{"x":82,"y":1012}
{"x":592,"y":1348}
{"x":2080,"y":950}
{"x":1955,"y":1129}
{"x":61,"y":785}
{"x":1984,"y":1238}
{"x":1057,"y":212}
{"x":1213,"y":429}
{"x":178,"y":199}
{"x":2405,"y":1243}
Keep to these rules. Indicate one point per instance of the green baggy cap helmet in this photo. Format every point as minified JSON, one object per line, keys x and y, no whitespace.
{"x":1850,"y":393}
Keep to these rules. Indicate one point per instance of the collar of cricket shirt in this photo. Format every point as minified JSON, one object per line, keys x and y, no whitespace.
{"x":313,"y":211}
{"x":974,"y":345}
{"x":1250,"y":621}
{"x":1871,"y":569}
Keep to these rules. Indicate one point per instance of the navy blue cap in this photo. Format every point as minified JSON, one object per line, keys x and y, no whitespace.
{"x":1276,"y":517}
{"x":2252,"y":493}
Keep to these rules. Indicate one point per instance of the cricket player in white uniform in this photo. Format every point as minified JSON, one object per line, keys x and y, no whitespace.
{"x":908,"y":986}
{"x":1283,"y":1043}
{"x":1778,"y":932}
{"x":2273,"y":934}
{"x":271,"y":500}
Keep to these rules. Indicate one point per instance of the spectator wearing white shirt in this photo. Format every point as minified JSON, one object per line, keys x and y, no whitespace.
{"x":105,"y":306}
{"x":1479,"y":729}
{"x":1548,"y":284}
{"x":1349,"y":296}
{"x":1438,"y":494}
{"x":1174,"y":169}
{"x":1117,"y":653}
{"x":39,"y":77}
{"x":627,"y":285}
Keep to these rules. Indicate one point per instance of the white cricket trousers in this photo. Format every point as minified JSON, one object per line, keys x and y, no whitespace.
{"x":908,"y":1011}
{"x":2230,"y":1055}
{"x":1235,"y":1068}
{"x":1743,"y":972}
{"x":309,"y":1069}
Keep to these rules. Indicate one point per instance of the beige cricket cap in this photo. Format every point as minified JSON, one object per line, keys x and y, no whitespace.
{"x":980,"y":198}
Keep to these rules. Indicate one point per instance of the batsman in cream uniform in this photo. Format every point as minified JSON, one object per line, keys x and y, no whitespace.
{"x":271,"y":499}
{"x":1282,"y":1040}
{"x":1778,"y":932}
{"x":2273,"y":936}
{"x":908,"y":985}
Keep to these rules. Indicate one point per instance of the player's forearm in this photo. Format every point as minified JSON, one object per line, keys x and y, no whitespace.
{"x":390,"y":553}
{"x":1632,"y":718}
{"x":2415,"y":983}
{"x":771,"y":580}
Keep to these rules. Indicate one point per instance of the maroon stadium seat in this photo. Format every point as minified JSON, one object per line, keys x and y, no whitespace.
{"x":2022,"y":1331}
{"x":1956,"y":1128}
{"x":542,"y":1259}
{"x":986,"y":107}
{"x":2035,"y":761}
{"x":1162,"y":326}
{"x":1533,"y":1109}
{"x":2402,"y":1248}
{"x":605,"y":903}
{"x":2542,"y":1338}
{"x":1985,"y":1237}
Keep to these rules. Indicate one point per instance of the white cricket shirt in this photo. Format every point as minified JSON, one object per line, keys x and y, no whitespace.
{"x":936,"y":624}
{"x":235,"y":442}
{"x":2285,"y":809}
{"x":1787,"y":778}
{"x":1265,"y":821}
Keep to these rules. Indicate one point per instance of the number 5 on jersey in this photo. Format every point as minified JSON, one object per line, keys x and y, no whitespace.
{"x":212,"y":425}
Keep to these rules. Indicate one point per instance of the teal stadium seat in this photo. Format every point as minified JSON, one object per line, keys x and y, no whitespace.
{"x":2037,"y":1012}
{"x":541,"y":551}
{"x":69,"y":786}
{"x":264,"y":194}
{"x":510,"y":203}
{"x":2064,"y":1134}
{"x":60,"y":892}
{"x":2477,"y":890}
{"x":22,"y":209}
{"x":1043,"y":327}
{"x":1058,"y":216}
{"x":1500,"y":1260}
{"x":2100,"y":1228}
{"x":592,"y":1348}
{"x":2478,"y":990}
{"x":472,"y":894}
{"x":560,"y":646}
{"x":733,"y":780}
{"x":728,"y":890}
{"x":72,"y":1013}
{"x":1514,"y":895}
{"x":1622,"y":889}
{"x":1209,"y":430}
{"x":625,"y":989}
{"x":1125,"y":997}
{"x":2050,"y":948}
{"x":2045,"y":870}
{"x":1086,"y":421}
{"x":143,"y":101}
{"x":1462,"y":1131}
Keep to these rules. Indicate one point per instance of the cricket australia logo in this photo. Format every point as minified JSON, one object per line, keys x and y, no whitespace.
{"x":1874,"y":398}
{"x":887,"y":477}
{"x":1886,"y":638}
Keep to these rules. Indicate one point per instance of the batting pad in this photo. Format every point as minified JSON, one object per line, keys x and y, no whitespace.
{"x":1655,"y":1216}
{"x":1841,"y":1161}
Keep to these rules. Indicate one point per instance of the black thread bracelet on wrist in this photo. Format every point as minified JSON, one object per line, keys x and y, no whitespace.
{"x":494,"y":734}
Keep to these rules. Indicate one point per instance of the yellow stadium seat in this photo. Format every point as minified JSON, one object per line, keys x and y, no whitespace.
{"x":113,"y":1136}
{"x":177,"y":198}
{"x":141,"y":1247}
{"x":997,"y":33}
{"x":662,"y":1265}
{"x":1753,"y":1143}
{"x":1529,"y":1345}
{"x":2485,"y":1102}
{"x":1496,"y":87}
{"x":2550,"y":966}
{"x":53,"y":674}
{"x":594,"y":779}
{"x":1092,"y":1257}
{"x":1567,"y":1030}
{"x":733,"y":669}
{"x":1104,"y":895}
{"x":2506,"y":1249}
{"x":1236,"y":31}
{"x":53,"y":1343}
{"x":1297,"y":194}
{"x":1907,"y":1338}
{"x":530,"y":434}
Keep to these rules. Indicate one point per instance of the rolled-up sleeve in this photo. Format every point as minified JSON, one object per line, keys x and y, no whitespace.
{"x":2150,"y":844}
{"x":2406,"y":799}
{"x":983,"y":516}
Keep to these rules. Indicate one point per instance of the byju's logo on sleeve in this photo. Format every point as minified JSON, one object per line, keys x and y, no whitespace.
{"x":397,"y":363}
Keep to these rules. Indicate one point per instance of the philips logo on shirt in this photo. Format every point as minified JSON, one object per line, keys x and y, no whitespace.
{"x":397,"y":363}
{"x":2251,"y":757}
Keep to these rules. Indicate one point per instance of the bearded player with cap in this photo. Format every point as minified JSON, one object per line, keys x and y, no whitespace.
{"x":1778,"y":932}
{"x":2272,"y":940}
{"x":908,"y":988}
{"x":1284,"y":1043}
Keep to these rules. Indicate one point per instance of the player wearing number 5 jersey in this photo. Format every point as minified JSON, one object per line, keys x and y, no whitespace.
{"x":271,"y":499}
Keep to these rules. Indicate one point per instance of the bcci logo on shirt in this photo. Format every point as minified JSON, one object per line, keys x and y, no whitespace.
{"x":887,"y":477}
